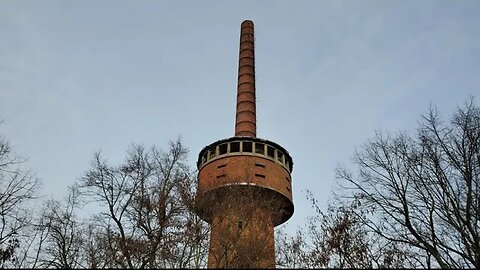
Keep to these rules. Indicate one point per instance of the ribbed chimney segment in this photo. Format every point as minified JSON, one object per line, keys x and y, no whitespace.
{"x":245,"y":124}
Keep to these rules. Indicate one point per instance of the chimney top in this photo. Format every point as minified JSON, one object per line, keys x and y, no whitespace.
{"x":247,"y":22}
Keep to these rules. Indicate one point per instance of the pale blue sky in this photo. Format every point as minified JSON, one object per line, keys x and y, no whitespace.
{"x":79,"y":76}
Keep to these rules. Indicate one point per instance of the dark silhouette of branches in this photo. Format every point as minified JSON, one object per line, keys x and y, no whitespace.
{"x":336,"y":238}
{"x":412,"y":202}
{"x":147,"y":221}
{"x":423,"y":191}
{"x":18,"y":187}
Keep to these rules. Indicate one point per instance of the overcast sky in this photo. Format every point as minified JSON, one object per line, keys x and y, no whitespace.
{"x":81,"y":76}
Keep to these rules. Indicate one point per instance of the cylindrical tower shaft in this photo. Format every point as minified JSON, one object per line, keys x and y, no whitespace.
{"x":244,"y":182}
{"x":245,"y":124}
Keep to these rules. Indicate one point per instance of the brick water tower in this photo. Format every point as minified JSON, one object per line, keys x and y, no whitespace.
{"x":244,"y":182}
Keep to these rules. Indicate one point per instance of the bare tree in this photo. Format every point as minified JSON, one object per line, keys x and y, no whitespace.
{"x":17,"y":188}
{"x":147,"y":221}
{"x":292,"y":251}
{"x":336,"y":238}
{"x":62,"y":245}
{"x":423,"y":191}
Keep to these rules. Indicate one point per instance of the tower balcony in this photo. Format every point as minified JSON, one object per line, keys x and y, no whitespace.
{"x":248,"y":165}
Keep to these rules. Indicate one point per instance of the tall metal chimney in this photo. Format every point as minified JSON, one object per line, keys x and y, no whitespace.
{"x":245,"y":124}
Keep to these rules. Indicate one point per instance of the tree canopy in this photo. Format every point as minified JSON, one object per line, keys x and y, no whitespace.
{"x":407,"y":200}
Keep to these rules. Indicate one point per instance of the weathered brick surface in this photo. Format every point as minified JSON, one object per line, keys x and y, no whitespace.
{"x":243,"y":169}
{"x":227,"y":210}
{"x":245,"y":122}
{"x":243,"y":196}
{"x":251,"y":246}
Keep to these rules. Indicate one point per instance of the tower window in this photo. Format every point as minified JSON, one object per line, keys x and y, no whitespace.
{"x":247,"y":147}
{"x":260,"y":148}
{"x":221,"y":175}
{"x":270,"y":151}
{"x":222,"y":149}
{"x":213,"y":152}
{"x":240,"y":225}
{"x":234,"y":147}
{"x":223,"y":165}
{"x":288,"y":189}
{"x":260,"y":175}
{"x":259,"y":165}
{"x":280,"y":156}
{"x":288,"y":179}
